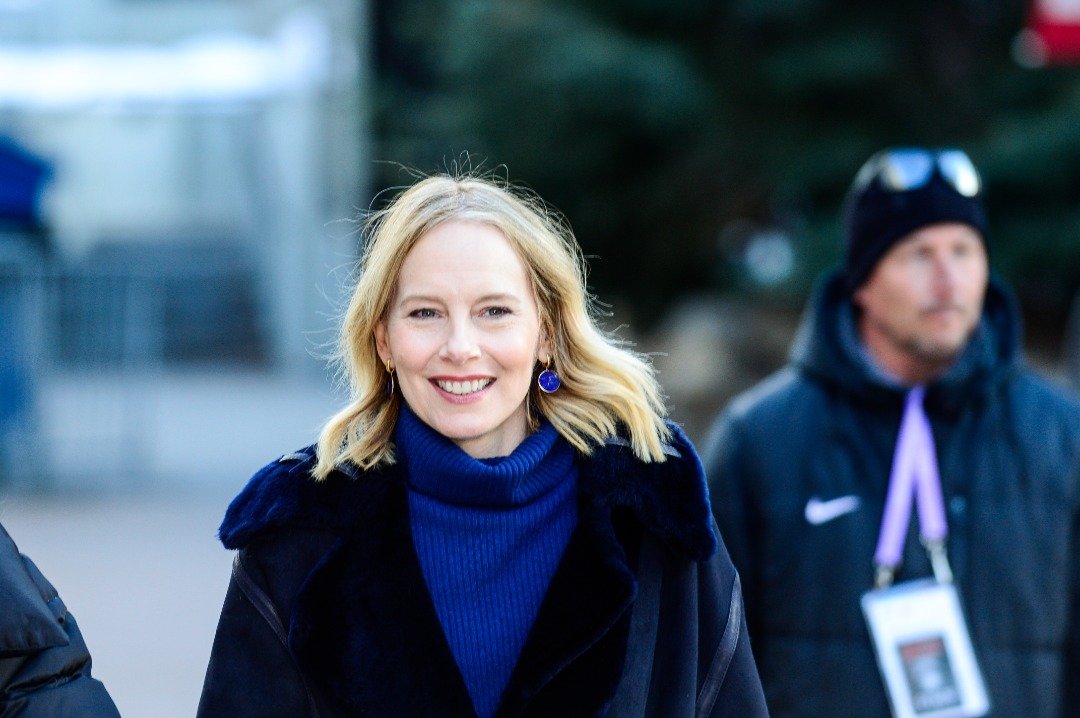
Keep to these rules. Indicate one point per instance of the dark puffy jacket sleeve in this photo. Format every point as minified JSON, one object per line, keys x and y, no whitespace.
{"x":44,"y":663}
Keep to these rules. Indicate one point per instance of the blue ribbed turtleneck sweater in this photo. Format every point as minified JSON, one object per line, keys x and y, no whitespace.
{"x":489,"y":534}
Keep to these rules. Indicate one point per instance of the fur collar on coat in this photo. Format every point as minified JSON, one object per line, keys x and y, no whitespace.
{"x":363,"y":626}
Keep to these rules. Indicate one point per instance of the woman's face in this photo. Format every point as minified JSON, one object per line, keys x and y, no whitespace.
{"x":463,"y":333}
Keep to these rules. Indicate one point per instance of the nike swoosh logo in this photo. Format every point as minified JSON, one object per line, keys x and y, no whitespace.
{"x":819,"y":512}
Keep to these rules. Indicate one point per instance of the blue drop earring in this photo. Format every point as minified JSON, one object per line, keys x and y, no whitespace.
{"x":548,"y":381}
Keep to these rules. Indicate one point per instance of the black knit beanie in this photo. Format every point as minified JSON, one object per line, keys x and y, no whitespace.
{"x":876,"y":218}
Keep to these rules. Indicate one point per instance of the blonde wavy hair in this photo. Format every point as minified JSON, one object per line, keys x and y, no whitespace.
{"x":606,"y":387}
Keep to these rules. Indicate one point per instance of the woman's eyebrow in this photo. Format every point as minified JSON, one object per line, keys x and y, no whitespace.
{"x":422,"y":298}
{"x":503,"y":297}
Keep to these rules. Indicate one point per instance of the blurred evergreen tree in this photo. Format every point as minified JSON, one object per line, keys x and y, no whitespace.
{"x":668,"y":130}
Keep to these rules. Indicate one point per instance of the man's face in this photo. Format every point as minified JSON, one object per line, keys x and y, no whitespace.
{"x":923,"y":300}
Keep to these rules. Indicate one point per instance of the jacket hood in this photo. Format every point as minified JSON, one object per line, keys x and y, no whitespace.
{"x":822,"y":351}
{"x":670,"y":498}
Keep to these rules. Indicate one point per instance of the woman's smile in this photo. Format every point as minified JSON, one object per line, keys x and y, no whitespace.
{"x":463,"y":388}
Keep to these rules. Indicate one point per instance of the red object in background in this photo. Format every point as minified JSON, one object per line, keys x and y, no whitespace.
{"x":1052,"y":35}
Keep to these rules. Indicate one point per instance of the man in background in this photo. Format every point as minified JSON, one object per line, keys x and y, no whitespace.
{"x":906,"y":389}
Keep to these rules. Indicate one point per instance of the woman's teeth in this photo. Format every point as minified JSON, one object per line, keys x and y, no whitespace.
{"x":463,"y":387}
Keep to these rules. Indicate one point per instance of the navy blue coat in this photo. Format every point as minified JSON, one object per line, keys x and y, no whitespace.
{"x":328,"y":614}
{"x":44,"y":663}
{"x":824,"y":428}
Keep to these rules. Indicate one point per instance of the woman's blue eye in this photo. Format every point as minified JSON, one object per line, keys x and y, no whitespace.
{"x":422,"y":313}
{"x":496,"y":311}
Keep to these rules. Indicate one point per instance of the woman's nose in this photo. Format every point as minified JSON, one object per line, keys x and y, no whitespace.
{"x":460,"y":345}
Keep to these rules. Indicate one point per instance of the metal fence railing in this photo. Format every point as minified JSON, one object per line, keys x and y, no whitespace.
{"x":102,"y":329}
{"x":20,"y":345}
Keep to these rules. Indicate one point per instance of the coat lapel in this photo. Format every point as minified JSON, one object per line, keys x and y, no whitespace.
{"x":575,"y":649}
{"x":365,"y":624}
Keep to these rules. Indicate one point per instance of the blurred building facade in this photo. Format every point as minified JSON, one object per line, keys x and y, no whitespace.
{"x":206,"y":160}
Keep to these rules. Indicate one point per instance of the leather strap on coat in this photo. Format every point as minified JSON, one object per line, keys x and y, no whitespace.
{"x":265,"y":607}
{"x":631,"y":699}
{"x":724,"y":653}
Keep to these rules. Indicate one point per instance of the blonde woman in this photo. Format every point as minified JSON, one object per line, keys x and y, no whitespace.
{"x":501,"y":522}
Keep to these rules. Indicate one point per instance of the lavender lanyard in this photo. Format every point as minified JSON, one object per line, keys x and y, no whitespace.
{"x":914,"y":476}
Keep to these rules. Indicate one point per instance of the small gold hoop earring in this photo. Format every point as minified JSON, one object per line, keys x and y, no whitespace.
{"x":390,"y":371}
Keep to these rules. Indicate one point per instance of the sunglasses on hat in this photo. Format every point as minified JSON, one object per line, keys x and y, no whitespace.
{"x":904,"y":169}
